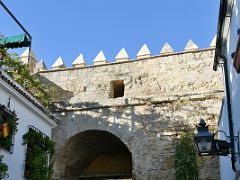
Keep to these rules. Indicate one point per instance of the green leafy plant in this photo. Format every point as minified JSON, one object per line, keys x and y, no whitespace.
{"x":3,"y":169}
{"x":10,"y":118}
{"x":19,"y":72}
{"x":39,"y":147}
{"x":185,"y":158}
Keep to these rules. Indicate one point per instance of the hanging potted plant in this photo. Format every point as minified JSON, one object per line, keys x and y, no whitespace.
{"x":8,"y":126}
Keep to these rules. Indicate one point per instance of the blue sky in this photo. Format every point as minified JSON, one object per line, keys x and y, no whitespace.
{"x":68,"y":28}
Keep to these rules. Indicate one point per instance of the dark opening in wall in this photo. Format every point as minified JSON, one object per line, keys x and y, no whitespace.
{"x":117,"y":88}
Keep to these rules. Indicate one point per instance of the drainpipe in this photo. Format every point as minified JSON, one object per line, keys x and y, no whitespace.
{"x":229,"y":110}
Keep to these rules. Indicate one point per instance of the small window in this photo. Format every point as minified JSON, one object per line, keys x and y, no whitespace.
{"x":236,"y":61}
{"x":39,"y":147}
{"x":117,"y":88}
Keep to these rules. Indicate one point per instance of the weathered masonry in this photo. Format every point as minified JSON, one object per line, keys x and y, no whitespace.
{"x":121,"y":120}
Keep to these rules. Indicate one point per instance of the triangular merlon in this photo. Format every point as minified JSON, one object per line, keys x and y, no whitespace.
{"x":144,"y":52}
{"x":213,"y":42}
{"x":166,"y":49}
{"x":100,"y":59}
{"x":122,"y":56}
{"x":79,"y":61}
{"x":59,"y":64}
{"x":190,"y":46}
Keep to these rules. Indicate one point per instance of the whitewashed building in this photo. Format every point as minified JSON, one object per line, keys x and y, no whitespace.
{"x":30,"y":114}
{"x":227,"y":56}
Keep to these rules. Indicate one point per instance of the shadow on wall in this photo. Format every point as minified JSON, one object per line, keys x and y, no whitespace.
{"x":87,"y":135}
{"x":55,"y":92}
{"x":143,"y":119}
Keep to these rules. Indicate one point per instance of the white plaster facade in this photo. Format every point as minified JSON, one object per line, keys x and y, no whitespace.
{"x":229,"y":37}
{"x":29,"y":115}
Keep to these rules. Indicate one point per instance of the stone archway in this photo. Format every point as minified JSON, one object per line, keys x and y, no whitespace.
{"x":93,"y":154}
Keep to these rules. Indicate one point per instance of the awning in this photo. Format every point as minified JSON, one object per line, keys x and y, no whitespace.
{"x":15,"y":41}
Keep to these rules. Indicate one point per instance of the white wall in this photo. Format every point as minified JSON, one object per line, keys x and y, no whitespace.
{"x":226,"y":171}
{"x":234,"y":76}
{"x":234,"y":82}
{"x":28,"y":115}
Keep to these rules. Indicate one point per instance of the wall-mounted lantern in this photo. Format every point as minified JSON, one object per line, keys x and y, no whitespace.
{"x":203,"y":139}
{"x":207,"y":145}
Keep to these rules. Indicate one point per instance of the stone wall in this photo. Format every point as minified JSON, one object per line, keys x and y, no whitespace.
{"x":177,"y":73}
{"x":162,"y":95}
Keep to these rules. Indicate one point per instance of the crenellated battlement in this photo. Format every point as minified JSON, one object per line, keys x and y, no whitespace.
{"x":122,"y":56}
{"x":168,"y":74}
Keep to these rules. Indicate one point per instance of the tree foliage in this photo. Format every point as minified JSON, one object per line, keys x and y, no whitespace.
{"x":185,"y":158}
{"x":20,"y":73}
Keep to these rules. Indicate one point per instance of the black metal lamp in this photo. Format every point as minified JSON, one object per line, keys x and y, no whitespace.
{"x":203,"y":139}
{"x":207,"y":145}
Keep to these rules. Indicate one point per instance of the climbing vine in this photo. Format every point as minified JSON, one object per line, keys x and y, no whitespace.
{"x":19,"y":72}
{"x":185,"y":158}
{"x":39,"y":148}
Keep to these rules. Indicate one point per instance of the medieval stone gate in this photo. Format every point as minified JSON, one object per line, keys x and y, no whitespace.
{"x":121,"y":120}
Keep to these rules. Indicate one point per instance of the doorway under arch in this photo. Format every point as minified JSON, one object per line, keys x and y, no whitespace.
{"x":96,"y":154}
